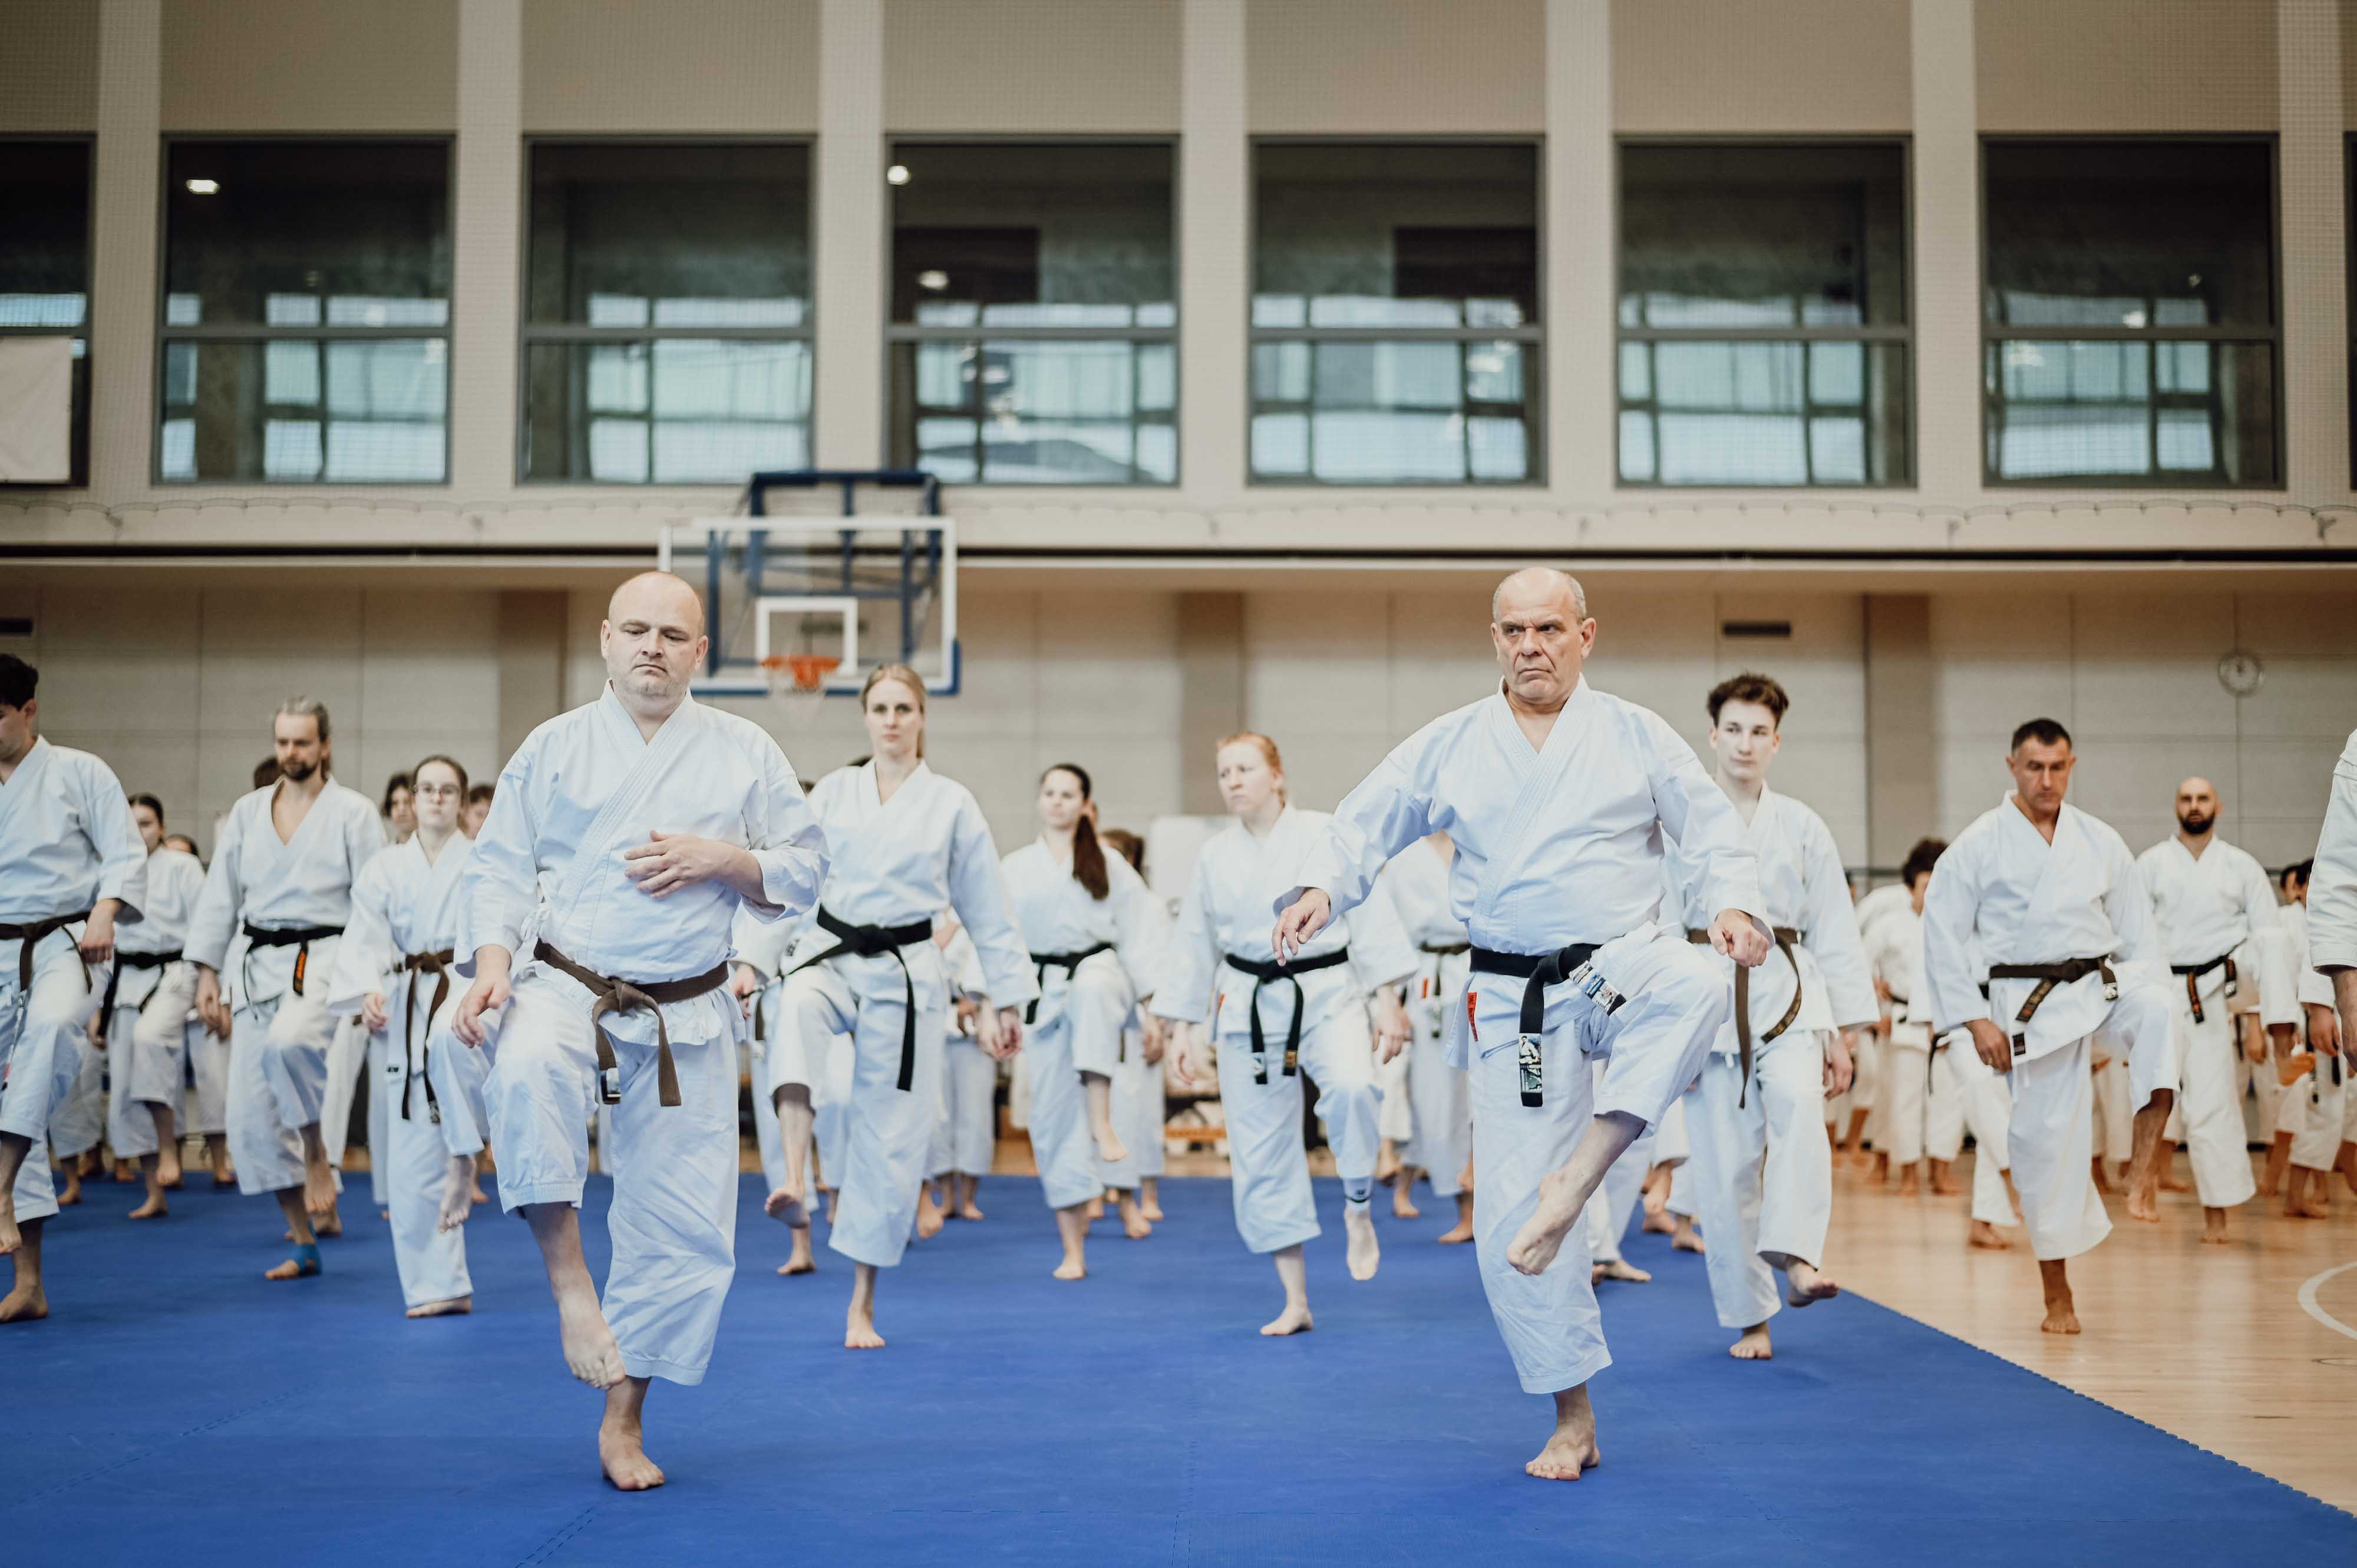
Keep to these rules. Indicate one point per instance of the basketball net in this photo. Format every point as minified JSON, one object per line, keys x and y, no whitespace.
{"x":798,"y":685}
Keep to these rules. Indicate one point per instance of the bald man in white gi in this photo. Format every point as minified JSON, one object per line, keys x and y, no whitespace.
{"x":2332,"y":916}
{"x":1559,"y":800}
{"x":626,"y":835}
{"x":2050,"y":897}
{"x":71,"y":869}
{"x":2210,"y":899}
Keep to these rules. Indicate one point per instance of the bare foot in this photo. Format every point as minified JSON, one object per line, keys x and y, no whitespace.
{"x":590,"y":1353}
{"x":859,"y":1332}
{"x":328,"y":1225}
{"x":1535,"y":1245}
{"x":1685,"y":1238}
{"x":1753,"y":1346}
{"x":801,"y":1261}
{"x":2171,"y":1182}
{"x":1147,"y":1207}
{"x":1571,"y":1450}
{"x":1805,"y":1285}
{"x":624,"y":1460}
{"x":1109,"y":1148}
{"x":1387,"y":1162}
{"x":2309,"y":1208}
{"x":456,"y":1306}
{"x":1944,"y":1183}
{"x":1457,"y":1234}
{"x":1619,"y":1269}
{"x":784,"y":1205}
{"x":168,"y":1165}
{"x":479,"y":1195}
{"x":318,"y":1188}
{"x":1402,"y":1209}
{"x":929,"y":1219}
{"x":1294,"y":1319}
{"x":967,"y":1211}
{"x":2061,"y":1317}
{"x":1907,"y":1183}
{"x":1071,"y":1268}
{"x":1985,"y":1234}
{"x":2144,"y":1199}
{"x":457,"y":1198}
{"x":25,"y":1303}
{"x":2103,"y":1181}
{"x":71,"y":1194}
{"x":293,"y":1269}
{"x":1096,"y":1208}
{"x":1363,"y":1252}
{"x":2213,"y":1228}
{"x":1133,"y":1224}
{"x":1657,"y":1221}
{"x":153,"y":1208}
{"x":1877,"y":1165}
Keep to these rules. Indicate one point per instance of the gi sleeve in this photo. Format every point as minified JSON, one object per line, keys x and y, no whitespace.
{"x":979,"y":897}
{"x":1390,"y":809}
{"x":2128,"y":904}
{"x":1139,"y":924}
{"x":368,"y":951}
{"x":2332,"y":886}
{"x":1381,"y":953}
{"x":785,"y":838}
{"x":1950,"y":911}
{"x":1718,"y":866}
{"x":1833,"y":931}
{"x":363,"y":835}
{"x":500,"y":890}
{"x":122,"y":854}
{"x":1185,"y":992}
{"x":213,"y":923}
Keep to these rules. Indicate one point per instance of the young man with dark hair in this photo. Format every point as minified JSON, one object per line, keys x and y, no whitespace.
{"x":71,"y":869}
{"x":1763,"y":1173}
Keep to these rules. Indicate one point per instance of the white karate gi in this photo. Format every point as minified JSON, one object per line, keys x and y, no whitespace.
{"x":892,"y":863}
{"x":2003,"y":894}
{"x":150,"y":1037}
{"x":2314,"y":1106}
{"x":2332,"y":903}
{"x":1225,"y":915}
{"x":582,"y":789}
{"x":1140,"y":1098}
{"x":1078,"y":1023}
{"x":1440,"y":1099}
{"x":2209,"y":908}
{"x":280,"y":1028}
{"x":1893,"y":933}
{"x":1965,"y":1093}
{"x":403,"y":905}
{"x":967,"y":1135}
{"x":1557,"y":846}
{"x":1760,"y":1218}
{"x":63,"y":821}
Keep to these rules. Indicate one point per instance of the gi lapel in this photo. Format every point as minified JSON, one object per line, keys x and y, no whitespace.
{"x":1541,"y":783}
{"x":653,"y":755}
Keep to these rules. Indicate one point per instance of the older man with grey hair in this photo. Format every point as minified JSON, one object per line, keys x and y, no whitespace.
{"x":1561,"y":803}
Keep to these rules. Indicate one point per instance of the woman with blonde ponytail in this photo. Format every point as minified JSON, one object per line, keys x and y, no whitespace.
{"x":1087,"y":918}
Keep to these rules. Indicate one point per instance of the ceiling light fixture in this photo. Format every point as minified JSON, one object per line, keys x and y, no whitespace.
{"x":203,"y":187}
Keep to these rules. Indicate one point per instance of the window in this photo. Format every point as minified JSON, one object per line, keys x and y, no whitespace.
{"x":2129,"y":331}
{"x":667,"y":313}
{"x":307,"y":312}
{"x":1034,"y":313}
{"x":1763,"y":315}
{"x":45,"y":260}
{"x":1395,"y":314}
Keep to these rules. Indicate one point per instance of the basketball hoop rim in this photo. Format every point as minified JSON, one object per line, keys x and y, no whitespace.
{"x":799,"y":674}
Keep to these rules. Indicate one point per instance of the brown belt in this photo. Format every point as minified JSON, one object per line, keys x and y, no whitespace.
{"x":436,"y":964}
{"x":624,"y":997}
{"x":2193,"y":973}
{"x":30,"y":937}
{"x":2049,"y":976}
{"x":1786,"y":938}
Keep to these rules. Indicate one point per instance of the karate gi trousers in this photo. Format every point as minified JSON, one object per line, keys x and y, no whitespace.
{"x":1396,"y":1116}
{"x":416,"y":1156}
{"x":150,"y":1040}
{"x":1762,"y":1215}
{"x":1137,"y":1113}
{"x":2051,"y":1135}
{"x":2115,"y":1117}
{"x":2318,"y":1102}
{"x":278,"y":1067}
{"x":1966,"y":1094}
{"x":967,"y":1136}
{"x":2208,"y":1117}
{"x":1077,"y":1028}
{"x":78,"y":1121}
{"x":39,"y":1062}
{"x":350,"y":1060}
{"x":1444,"y":1111}
{"x":1905,"y":1092}
{"x":674,"y":1220}
{"x":1268,"y":1163}
{"x":1675,"y":998}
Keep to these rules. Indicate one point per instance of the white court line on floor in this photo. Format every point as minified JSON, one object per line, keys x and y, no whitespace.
{"x":2309,"y":1305}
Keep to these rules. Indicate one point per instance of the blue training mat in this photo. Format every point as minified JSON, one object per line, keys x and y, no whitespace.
{"x":178,"y":1409}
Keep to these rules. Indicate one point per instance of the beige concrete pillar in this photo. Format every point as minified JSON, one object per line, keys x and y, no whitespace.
{"x":532,"y":663}
{"x":1947,"y":255}
{"x":1902,"y":774}
{"x":1214,"y":256}
{"x":486,"y":243}
{"x":1582,"y":421}
{"x":123,"y":298}
{"x":848,"y":233}
{"x":2315,"y":247}
{"x":1211,"y":691}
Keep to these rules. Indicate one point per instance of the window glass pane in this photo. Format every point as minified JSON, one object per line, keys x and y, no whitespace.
{"x":2130,"y":233}
{"x":44,"y":233}
{"x":1390,"y":234}
{"x":628,"y":235}
{"x":1035,"y":412}
{"x":1015,"y":235}
{"x":673,"y":411}
{"x":296,"y":411}
{"x":356,"y":232}
{"x":1395,"y":412}
{"x":2197,"y":413}
{"x":1763,"y":236}
{"x":1763,"y":414}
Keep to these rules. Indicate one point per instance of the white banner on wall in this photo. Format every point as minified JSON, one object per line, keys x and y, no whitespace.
{"x":35,"y":411}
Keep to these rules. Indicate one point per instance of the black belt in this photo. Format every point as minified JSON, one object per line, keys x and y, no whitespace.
{"x":1542,"y":970}
{"x":300,"y":937}
{"x":1070,"y":963}
{"x":627,"y":995}
{"x":2193,"y":973}
{"x":2049,"y":976}
{"x":1785,"y":937}
{"x":29,"y":936}
{"x":123,"y":960}
{"x":1263,"y":970}
{"x":875,"y":941}
{"x":437,"y":964}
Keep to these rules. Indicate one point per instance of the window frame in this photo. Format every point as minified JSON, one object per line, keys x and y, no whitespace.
{"x":1904,"y":333}
{"x":1991,"y":333}
{"x":1532,"y":337}
{"x":79,"y":415}
{"x":896,"y":333}
{"x":225,"y":332}
{"x":528,"y":334}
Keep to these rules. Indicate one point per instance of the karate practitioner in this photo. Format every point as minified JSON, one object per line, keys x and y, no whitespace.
{"x":903,"y":842}
{"x":2052,"y":900}
{"x":150,"y":1054}
{"x":1884,"y":916}
{"x":1891,"y":926}
{"x":1267,"y":1023}
{"x":2209,"y":898}
{"x":275,"y":901}
{"x":2332,"y":928}
{"x":1559,"y":798}
{"x":1442,"y":1137}
{"x":73,"y":869}
{"x":392,"y":970}
{"x":1139,"y":1100}
{"x":1806,"y":1003}
{"x":2296,"y":1004}
{"x":1085,"y":918}
{"x":757,"y":982}
{"x":626,"y":835}
{"x":967,"y":1136}
{"x":208,"y":1054}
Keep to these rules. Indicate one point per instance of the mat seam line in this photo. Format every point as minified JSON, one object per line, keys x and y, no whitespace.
{"x":71,"y":1482}
{"x":572,"y":1528}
